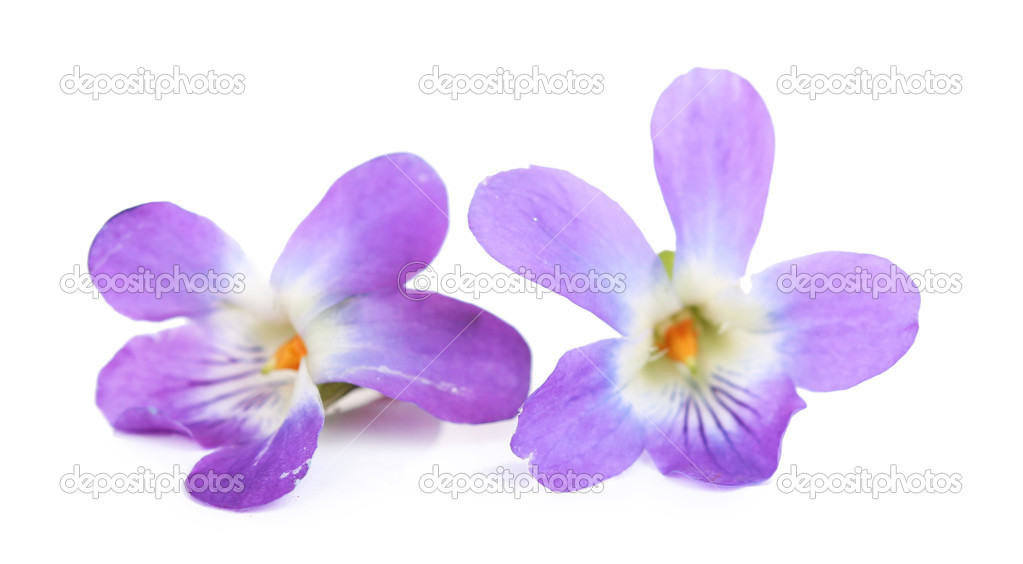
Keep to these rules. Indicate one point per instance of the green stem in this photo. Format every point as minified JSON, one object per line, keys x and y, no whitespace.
{"x":330,"y":393}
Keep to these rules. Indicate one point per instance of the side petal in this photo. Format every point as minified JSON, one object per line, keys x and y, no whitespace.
{"x":375,"y":221}
{"x":150,"y":254}
{"x":713,"y":152}
{"x":257,"y":472}
{"x":576,"y":429}
{"x":562,"y":233}
{"x":202,"y":379}
{"x":727,"y":432}
{"x":450,"y":358}
{"x":836,"y":338}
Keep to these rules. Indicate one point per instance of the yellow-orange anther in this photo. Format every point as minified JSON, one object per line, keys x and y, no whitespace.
{"x":288,"y":357}
{"x":680,"y":342}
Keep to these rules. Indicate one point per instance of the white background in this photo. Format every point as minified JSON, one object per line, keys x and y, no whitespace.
{"x":928,"y":181}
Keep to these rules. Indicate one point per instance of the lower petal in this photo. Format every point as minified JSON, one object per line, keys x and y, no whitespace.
{"x":267,"y":468}
{"x":450,"y":358}
{"x":836,"y":338}
{"x":576,"y":429}
{"x":728,"y":432}
{"x":202,"y":379}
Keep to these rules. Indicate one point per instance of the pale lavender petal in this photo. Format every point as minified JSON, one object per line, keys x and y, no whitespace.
{"x":728,"y":433}
{"x":156,"y":256}
{"x":450,"y":358}
{"x":558,"y":230}
{"x":576,"y":429}
{"x":833,"y":340}
{"x":713,"y":152}
{"x":266,"y":468}
{"x":376,"y":220}
{"x":202,"y":379}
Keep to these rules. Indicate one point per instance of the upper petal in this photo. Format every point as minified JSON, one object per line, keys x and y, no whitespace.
{"x":264,"y":469}
{"x":713,"y":152}
{"x":450,"y":358}
{"x":379,"y":217}
{"x":202,"y":379}
{"x":156,"y":255}
{"x":836,"y":338}
{"x":576,"y":429}
{"x":563,"y":233}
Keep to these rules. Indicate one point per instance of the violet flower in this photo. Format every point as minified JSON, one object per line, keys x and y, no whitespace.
{"x":704,"y":377}
{"x":249,"y":373}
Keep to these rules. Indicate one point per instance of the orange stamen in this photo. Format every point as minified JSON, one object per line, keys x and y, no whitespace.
{"x":288,"y":356}
{"x":680,"y":342}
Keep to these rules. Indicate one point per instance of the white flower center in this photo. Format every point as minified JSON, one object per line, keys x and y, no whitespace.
{"x":717,"y":333}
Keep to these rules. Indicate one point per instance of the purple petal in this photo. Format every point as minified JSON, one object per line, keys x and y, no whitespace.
{"x":152,"y":253}
{"x":558,"y":230}
{"x":376,"y":220}
{"x":729,"y":433}
{"x":713,"y":152}
{"x":202,"y":380}
{"x":833,"y":340}
{"x":450,"y":358}
{"x":577,"y":423}
{"x":267,"y":468}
